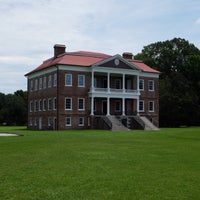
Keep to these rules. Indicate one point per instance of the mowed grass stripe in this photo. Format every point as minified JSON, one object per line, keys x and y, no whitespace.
{"x":93,"y":164}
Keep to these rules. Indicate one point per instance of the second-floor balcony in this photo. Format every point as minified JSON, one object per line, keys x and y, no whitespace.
{"x":113,"y":92}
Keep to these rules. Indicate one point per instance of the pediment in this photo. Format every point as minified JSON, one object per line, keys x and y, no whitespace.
{"x":116,"y":62}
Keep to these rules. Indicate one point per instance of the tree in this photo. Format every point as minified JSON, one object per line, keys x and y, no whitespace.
{"x":13,"y":108}
{"x":179,"y":64}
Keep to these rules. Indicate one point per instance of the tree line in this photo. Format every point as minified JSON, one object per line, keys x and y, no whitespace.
{"x":13,"y":108}
{"x":179,"y":64}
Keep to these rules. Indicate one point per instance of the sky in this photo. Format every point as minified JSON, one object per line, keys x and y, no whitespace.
{"x":30,"y":29}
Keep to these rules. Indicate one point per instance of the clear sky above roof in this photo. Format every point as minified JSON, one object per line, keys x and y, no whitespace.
{"x":29,"y":29}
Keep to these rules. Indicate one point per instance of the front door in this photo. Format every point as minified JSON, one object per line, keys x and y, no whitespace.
{"x":129,"y":107}
{"x":104,"y":107}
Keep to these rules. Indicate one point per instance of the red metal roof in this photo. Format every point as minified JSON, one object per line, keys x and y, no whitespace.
{"x":143,"y":66}
{"x":85,"y":58}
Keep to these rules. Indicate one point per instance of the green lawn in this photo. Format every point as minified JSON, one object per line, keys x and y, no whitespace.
{"x":100,"y":165}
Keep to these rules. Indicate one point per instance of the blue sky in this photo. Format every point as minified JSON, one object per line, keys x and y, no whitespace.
{"x":29,"y":29}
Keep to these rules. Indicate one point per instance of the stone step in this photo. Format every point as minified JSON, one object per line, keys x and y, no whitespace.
{"x":148,"y":125}
{"x":116,"y":124}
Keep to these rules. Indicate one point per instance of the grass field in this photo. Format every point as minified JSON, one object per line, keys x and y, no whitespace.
{"x":89,"y":165}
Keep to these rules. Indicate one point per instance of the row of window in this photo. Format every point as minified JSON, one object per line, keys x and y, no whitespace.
{"x":150,"y":106}
{"x":150,"y":85}
{"x":68,"y":121}
{"x":43,"y":82}
{"x":47,"y":82}
{"x":51,"y":104}
{"x":43,"y":104}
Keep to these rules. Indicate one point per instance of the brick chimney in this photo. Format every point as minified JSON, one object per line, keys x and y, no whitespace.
{"x":127,"y":55}
{"x":59,"y":49}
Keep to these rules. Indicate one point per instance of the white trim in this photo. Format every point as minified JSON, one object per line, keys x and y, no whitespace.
{"x":120,"y":58}
{"x":70,"y":103}
{"x":81,"y":75}
{"x":149,"y":75}
{"x":49,"y":102}
{"x":44,"y":107}
{"x":152,"y":106}
{"x":40,"y":105}
{"x":70,"y":124}
{"x":117,"y":71}
{"x":81,"y":109}
{"x":82,"y":124}
{"x":41,"y":72}
{"x":74,"y":68}
{"x":55,"y":104}
{"x":142,"y":101}
{"x":67,"y":74}
{"x":142,"y":84}
{"x":49,"y":81}
{"x":55,"y":80}
{"x":151,"y":90}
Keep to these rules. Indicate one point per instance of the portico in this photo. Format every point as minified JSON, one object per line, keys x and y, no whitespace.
{"x":116,"y":89}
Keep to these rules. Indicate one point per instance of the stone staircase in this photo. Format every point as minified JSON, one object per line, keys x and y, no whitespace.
{"x":116,"y":124}
{"x":148,"y":124}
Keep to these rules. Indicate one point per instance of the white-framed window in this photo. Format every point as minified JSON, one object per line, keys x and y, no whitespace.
{"x":141,"y":84}
{"x":68,"y":121}
{"x":118,"y":84}
{"x":31,"y":106}
{"x":40,"y":83}
{"x":141,"y":106}
{"x":81,"y":121}
{"x":31,"y":85}
{"x":54,"y":103}
{"x":36,"y":84}
{"x":81,"y":80}
{"x":68,"y":79}
{"x":44,"y":82}
{"x":117,"y":106}
{"x":44,"y":104}
{"x":55,"y":80}
{"x":151,"y":85}
{"x":49,"y":104}
{"x":81,"y":104}
{"x":40,"y":105}
{"x":36,"y":105}
{"x":68,"y":103}
{"x":49,"y":81}
{"x":151,"y":106}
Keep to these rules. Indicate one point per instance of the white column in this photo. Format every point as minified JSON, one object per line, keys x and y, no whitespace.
{"x":138,"y":80}
{"x":92,"y":81}
{"x":123,"y":83}
{"x":138,"y":100}
{"x":92,"y":105}
{"x":108,"y":82}
{"x":108,"y":106}
{"x":123,"y":106}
